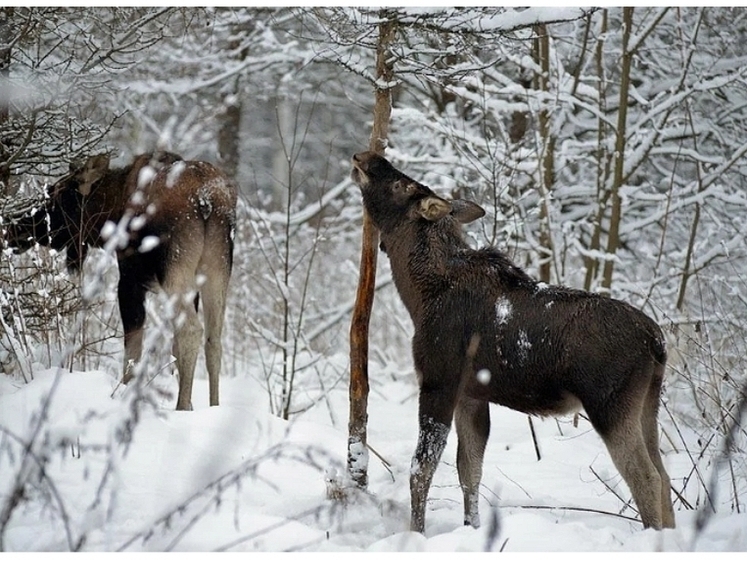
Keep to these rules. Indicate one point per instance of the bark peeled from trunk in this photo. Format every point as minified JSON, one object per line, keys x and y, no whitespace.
{"x":357,"y":424}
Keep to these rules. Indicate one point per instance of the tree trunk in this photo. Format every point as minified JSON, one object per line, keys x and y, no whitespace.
{"x":281,"y":196}
{"x":357,"y":424}
{"x":6,"y":15}
{"x":229,"y":134}
{"x":613,"y":240}
{"x":603,"y":161}
{"x":547,"y":160}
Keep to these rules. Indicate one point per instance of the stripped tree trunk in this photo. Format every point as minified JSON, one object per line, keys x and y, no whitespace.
{"x":357,"y":439}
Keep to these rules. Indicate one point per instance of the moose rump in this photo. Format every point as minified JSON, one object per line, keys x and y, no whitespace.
{"x":485,"y":331}
{"x":189,"y":210}
{"x":179,"y":218}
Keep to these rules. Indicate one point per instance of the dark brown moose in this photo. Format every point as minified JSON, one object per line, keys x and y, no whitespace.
{"x":486,"y":332}
{"x":180,"y":217}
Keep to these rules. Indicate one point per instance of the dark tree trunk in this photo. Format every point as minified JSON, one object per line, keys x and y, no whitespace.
{"x":228,"y":135}
{"x":613,"y":240}
{"x":547,"y":162}
{"x":6,"y":16}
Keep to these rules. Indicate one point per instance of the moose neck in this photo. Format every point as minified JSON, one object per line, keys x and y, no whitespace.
{"x":419,"y":254}
{"x":108,"y":200}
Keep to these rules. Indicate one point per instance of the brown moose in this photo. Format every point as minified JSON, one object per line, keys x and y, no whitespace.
{"x":179,"y":218}
{"x":486,"y":332}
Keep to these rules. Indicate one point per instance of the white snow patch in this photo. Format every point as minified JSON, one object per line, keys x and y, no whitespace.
{"x":148,"y":243}
{"x":524,"y":346}
{"x":137,"y":198}
{"x":108,"y":229}
{"x":205,"y":202}
{"x":138,"y":222}
{"x":174,"y":173}
{"x":503,"y":310}
{"x":358,"y":456}
{"x":146,"y":175}
{"x":483,"y":376}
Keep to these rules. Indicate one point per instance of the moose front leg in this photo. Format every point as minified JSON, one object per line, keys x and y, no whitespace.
{"x":439,"y":382}
{"x":431,"y":444}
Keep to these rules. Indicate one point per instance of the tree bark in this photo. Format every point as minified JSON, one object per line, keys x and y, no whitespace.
{"x":6,"y":15}
{"x":602,"y":159}
{"x":229,"y":134}
{"x":613,"y":240}
{"x":547,"y":160}
{"x":359,"y":387}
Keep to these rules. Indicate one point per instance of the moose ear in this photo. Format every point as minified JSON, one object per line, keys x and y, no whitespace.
{"x":92,"y":171}
{"x":466,"y":211}
{"x":433,"y":208}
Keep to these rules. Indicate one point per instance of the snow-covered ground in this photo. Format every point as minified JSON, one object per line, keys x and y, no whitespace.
{"x":234,"y":477}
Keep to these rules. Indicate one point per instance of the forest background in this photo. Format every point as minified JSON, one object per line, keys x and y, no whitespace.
{"x":606,"y":145}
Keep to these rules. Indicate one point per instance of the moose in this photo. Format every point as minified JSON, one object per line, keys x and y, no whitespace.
{"x":485,"y":331}
{"x":179,"y":218}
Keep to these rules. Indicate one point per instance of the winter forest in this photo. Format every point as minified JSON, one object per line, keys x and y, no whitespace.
{"x":607,"y":147}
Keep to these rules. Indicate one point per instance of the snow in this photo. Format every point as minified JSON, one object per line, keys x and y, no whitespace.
{"x":234,"y":477}
{"x":174,"y":173}
{"x":148,"y":243}
{"x":503,"y":310}
{"x":524,"y":346}
{"x":146,"y":175}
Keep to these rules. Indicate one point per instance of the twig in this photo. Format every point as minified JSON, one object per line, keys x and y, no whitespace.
{"x":624,"y":502}
{"x":534,"y":438}
{"x":387,"y":465}
{"x":574,"y":508}
{"x":268,"y":529}
{"x":694,"y":462}
{"x":704,"y":515}
{"x":18,"y":494}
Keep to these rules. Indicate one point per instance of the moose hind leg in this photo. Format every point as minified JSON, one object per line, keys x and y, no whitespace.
{"x":180,"y":271}
{"x":131,"y":297}
{"x":187,"y":340}
{"x":627,"y":447}
{"x":472,"y":420}
{"x":651,"y":437}
{"x":214,"y":308}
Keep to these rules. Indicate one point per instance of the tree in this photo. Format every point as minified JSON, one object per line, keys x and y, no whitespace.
{"x":357,"y":454}
{"x":56,"y":66}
